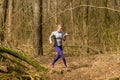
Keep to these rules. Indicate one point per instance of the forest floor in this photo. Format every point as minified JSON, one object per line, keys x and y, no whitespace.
{"x":90,"y":67}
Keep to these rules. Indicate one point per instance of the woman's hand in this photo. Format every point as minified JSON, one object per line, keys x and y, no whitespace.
{"x":64,"y":37}
{"x":66,"y":34}
{"x":50,"y":42}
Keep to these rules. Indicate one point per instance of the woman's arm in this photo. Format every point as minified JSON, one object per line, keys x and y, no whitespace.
{"x":64,"y":36}
{"x":50,"y":38}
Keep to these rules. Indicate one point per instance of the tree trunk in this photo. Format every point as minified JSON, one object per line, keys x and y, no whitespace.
{"x":9,"y":18}
{"x":72,"y":23}
{"x":3,"y":13}
{"x":85,"y":26}
{"x":5,"y":6}
{"x":37,"y":20}
{"x":1,"y":25}
{"x":106,"y":20}
{"x":55,"y":2}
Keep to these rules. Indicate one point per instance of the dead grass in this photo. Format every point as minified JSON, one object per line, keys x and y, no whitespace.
{"x":94,"y":67}
{"x":83,"y":67}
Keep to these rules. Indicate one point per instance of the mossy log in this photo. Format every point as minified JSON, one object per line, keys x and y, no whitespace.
{"x":13,"y":60}
{"x":22,"y":57}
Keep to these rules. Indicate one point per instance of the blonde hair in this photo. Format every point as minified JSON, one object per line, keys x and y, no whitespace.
{"x":57,"y":26}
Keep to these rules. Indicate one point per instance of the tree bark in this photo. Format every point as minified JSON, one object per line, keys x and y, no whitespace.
{"x":37,"y":21}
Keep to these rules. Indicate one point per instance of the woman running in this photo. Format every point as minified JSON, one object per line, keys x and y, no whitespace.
{"x":58,"y":35}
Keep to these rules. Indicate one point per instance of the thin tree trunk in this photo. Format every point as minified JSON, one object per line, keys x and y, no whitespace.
{"x":85,"y":27}
{"x":9,"y":18}
{"x":1,"y":25}
{"x":48,"y":6}
{"x":3,"y":13}
{"x":5,"y":6}
{"x":55,"y":2}
{"x":106,"y":22}
{"x":72,"y":23}
{"x":37,"y":20}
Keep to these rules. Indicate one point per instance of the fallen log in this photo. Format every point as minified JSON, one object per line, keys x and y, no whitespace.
{"x":21,"y":57}
{"x":13,"y":60}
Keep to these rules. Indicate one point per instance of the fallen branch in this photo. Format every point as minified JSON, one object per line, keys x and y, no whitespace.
{"x":89,"y":47}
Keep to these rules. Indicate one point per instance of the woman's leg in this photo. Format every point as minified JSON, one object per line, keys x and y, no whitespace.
{"x":64,"y":61}
{"x":60,"y":53}
{"x":55,"y":59}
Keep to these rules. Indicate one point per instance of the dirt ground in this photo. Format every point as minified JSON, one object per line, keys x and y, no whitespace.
{"x":91,"y":67}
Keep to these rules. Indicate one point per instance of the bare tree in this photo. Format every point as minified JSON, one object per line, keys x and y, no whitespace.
{"x":37,"y":20}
